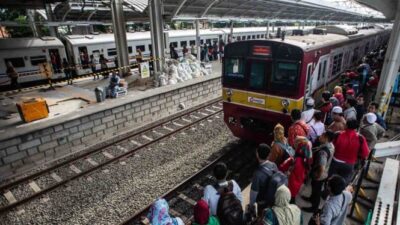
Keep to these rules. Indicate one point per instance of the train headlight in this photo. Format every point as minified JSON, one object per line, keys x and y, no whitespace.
{"x":229,"y":92}
{"x":285,"y":103}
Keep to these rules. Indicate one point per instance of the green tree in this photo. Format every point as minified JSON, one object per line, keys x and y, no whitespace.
{"x":19,"y":16}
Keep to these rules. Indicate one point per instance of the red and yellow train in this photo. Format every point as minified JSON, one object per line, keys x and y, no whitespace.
{"x":263,"y":80}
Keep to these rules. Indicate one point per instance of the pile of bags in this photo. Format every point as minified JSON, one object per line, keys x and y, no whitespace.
{"x":186,"y":68}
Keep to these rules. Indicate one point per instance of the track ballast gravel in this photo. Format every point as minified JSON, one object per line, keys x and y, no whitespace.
{"x":118,"y":190}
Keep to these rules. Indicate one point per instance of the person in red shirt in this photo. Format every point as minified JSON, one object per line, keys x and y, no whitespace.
{"x":298,"y":128}
{"x":349,"y":147}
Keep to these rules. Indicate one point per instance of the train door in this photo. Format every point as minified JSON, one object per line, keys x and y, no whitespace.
{"x":55,"y":60}
{"x":308,"y":88}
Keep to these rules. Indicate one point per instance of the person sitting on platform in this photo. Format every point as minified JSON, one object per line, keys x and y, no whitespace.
{"x":114,"y":85}
{"x":282,"y":212}
{"x":159,"y":215}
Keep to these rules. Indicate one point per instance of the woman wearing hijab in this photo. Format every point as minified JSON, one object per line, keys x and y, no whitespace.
{"x":298,"y":167}
{"x":158,"y":214}
{"x":280,"y":148}
{"x":338,"y":93}
{"x":202,"y":214}
{"x":282,"y":213}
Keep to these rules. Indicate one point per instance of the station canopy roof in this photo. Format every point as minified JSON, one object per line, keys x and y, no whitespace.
{"x":137,"y":10}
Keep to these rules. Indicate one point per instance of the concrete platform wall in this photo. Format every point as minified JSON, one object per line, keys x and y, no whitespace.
{"x":101,"y":121}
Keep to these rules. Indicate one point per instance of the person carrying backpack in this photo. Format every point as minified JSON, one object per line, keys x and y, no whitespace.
{"x":224,"y":198}
{"x":322,"y":158}
{"x":280,"y":148}
{"x":266,"y":180}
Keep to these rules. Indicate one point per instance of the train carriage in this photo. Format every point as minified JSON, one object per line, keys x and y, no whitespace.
{"x":264,"y":80}
{"x":26,"y":54}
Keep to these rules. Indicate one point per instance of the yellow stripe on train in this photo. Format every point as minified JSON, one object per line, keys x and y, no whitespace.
{"x":260,"y":101}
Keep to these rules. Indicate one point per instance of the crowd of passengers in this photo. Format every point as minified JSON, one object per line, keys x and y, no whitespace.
{"x":310,"y":171}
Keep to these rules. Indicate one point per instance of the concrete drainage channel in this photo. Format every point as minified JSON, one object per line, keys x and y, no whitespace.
{"x":26,"y":189}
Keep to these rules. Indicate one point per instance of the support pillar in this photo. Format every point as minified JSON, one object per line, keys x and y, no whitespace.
{"x":157,"y":35}
{"x":198,"y":47}
{"x":390,"y":67}
{"x":267,"y":33}
{"x":304,"y":24}
{"x":231,"y":32}
{"x":32,"y":23}
{"x":119,"y":30}
{"x":273,"y":27}
{"x":50,"y":18}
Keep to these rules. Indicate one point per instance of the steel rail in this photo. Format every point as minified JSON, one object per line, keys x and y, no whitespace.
{"x":100,"y":165}
{"x":170,"y":193}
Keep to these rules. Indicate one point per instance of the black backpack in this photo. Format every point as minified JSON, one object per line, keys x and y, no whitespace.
{"x":273,"y":183}
{"x":229,"y":209}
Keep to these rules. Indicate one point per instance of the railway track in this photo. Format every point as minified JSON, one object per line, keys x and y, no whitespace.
{"x":23,"y":190}
{"x":181,"y":198}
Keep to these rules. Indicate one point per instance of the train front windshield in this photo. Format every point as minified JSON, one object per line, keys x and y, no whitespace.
{"x":257,"y":67}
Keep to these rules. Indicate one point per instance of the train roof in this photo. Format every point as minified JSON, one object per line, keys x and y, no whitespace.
{"x":21,"y":43}
{"x":104,"y":38}
{"x":314,"y":41}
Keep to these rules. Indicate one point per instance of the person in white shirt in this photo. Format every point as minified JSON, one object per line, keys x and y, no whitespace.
{"x":211,"y":195}
{"x":317,"y":127}
{"x":308,"y":114}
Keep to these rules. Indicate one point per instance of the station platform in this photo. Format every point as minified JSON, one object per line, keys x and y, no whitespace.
{"x":76,"y":121}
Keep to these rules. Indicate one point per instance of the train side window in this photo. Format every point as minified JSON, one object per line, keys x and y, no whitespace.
{"x":258,"y":36}
{"x":141,"y":47}
{"x":192,"y":42}
{"x":262,"y":35}
{"x":248,"y":37}
{"x":175,"y":44}
{"x":319,"y":71}
{"x":111,"y":51}
{"x":16,"y":62}
{"x":208,"y":41}
{"x":243,"y":37}
{"x":253,"y":36}
{"x":36,"y":60}
{"x":150,"y":48}
{"x":238,"y":38}
{"x":130,"y":49}
{"x":183,"y":43}
{"x":234,"y":69}
{"x":337,"y":63}
{"x":324,"y":69}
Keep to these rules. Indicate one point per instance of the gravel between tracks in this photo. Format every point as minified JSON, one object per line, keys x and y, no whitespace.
{"x":120,"y":189}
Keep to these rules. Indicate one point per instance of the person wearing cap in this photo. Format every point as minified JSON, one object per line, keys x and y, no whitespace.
{"x":350,"y":112}
{"x":371,"y":130}
{"x":339,"y":123}
{"x":308,"y":115}
{"x":349,"y":147}
{"x":373,"y":107}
